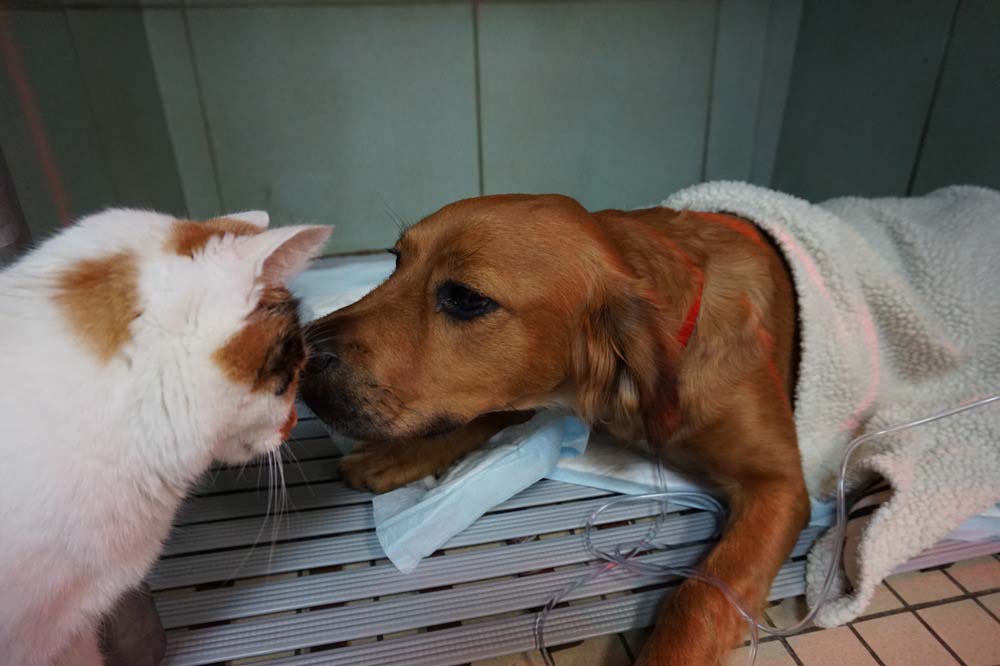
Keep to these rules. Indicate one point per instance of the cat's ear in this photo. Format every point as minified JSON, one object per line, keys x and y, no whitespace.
{"x":280,"y":254}
{"x":258,"y":218}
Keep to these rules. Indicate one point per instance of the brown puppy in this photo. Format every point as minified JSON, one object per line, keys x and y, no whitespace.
{"x":674,"y":326}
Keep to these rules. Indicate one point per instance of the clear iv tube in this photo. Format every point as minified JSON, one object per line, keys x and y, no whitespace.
{"x":618,"y":558}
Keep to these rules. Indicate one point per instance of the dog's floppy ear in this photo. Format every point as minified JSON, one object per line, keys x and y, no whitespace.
{"x":624,"y":361}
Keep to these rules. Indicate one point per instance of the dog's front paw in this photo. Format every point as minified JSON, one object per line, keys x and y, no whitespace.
{"x":379,"y":469}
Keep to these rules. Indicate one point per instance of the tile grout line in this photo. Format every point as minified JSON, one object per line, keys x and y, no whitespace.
{"x":626,"y":647}
{"x":973,"y":595}
{"x":940,"y":640}
{"x":948,"y":575}
{"x":985,"y":608}
{"x":938,"y":602}
{"x":896,"y":594}
{"x":790,"y":651}
{"x":784,"y":639}
{"x":864,"y":644}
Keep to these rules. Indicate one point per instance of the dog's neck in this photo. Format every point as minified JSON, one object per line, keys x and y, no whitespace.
{"x":687,"y":328}
{"x":647,"y":248}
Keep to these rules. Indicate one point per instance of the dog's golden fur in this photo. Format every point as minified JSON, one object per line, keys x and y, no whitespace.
{"x":589,"y":307}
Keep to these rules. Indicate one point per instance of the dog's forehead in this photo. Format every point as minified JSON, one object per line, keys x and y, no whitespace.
{"x":501,"y":224}
{"x":511,"y":247}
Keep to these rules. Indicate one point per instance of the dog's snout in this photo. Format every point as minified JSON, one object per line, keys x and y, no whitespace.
{"x":325,"y":337}
{"x":322,"y":359}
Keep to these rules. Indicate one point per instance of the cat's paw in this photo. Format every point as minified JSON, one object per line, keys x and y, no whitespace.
{"x":379,"y":468}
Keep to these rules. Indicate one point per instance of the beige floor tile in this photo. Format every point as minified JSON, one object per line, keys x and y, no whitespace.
{"x":968,"y":630}
{"x":788,"y":612}
{"x":918,"y":587}
{"x":600,"y":651}
{"x":900,"y":640}
{"x":772,"y":653}
{"x":636,"y":638}
{"x":831,"y":647}
{"x":982,"y":573}
{"x":884,"y":600}
{"x":992,"y":601}
{"x":532,"y":658}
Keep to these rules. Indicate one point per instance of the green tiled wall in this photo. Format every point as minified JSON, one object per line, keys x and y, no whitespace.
{"x":349,"y":113}
{"x":606,"y":102}
{"x":860,"y":90}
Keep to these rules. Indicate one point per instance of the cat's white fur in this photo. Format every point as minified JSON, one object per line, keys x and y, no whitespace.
{"x":95,"y":457}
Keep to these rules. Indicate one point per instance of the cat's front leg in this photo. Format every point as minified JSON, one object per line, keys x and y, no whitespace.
{"x":84,"y":650}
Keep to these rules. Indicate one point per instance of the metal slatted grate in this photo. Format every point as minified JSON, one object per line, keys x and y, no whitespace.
{"x":312,"y":586}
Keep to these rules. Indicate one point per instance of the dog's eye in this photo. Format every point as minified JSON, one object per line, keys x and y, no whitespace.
{"x":462,"y":303}
{"x":394,"y":252}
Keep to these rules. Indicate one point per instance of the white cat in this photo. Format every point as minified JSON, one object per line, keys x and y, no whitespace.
{"x":135,"y":349}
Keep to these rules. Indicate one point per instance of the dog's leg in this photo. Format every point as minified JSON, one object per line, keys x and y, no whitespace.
{"x":753,"y":456}
{"x":385,"y":466}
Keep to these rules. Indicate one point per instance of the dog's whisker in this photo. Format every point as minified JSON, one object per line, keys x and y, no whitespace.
{"x":401,"y":222}
{"x":321,"y":340}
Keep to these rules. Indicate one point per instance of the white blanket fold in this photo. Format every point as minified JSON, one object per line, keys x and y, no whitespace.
{"x":899,"y":311}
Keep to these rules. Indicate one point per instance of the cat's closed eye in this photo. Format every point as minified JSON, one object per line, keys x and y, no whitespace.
{"x":284,"y":384}
{"x":284,"y":360}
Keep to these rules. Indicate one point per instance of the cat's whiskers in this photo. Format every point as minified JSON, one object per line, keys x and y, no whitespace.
{"x":276,"y":489}
{"x":271,"y":474}
{"x":294,"y":459}
{"x":282,"y":492}
{"x":263,"y":522}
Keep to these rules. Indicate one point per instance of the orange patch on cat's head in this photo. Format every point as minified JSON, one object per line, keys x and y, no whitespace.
{"x":186,"y":237}
{"x":269,"y":351}
{"x":100,"y":298}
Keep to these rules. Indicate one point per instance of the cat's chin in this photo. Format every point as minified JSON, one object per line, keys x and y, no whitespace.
{"x":248,"y":451}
